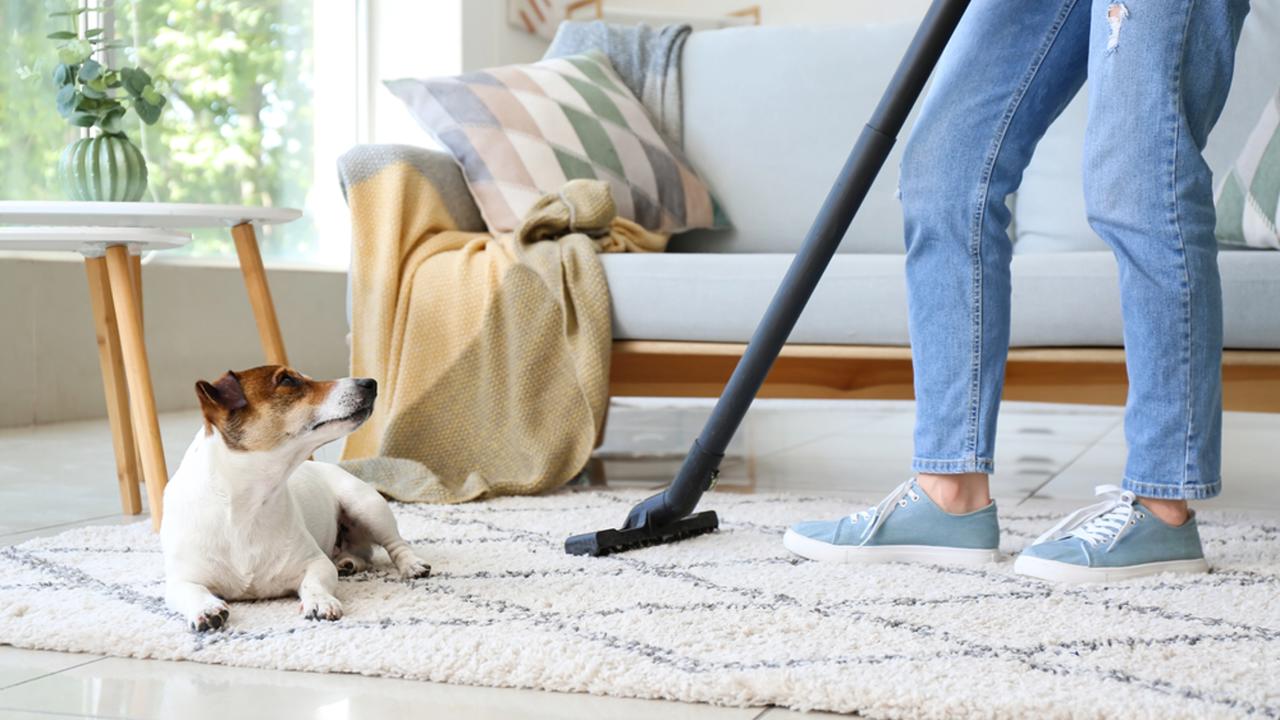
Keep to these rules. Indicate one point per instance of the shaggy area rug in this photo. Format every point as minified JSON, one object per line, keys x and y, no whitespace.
{"x":729,"y":618}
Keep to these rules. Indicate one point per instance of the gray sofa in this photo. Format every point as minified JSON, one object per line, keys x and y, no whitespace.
{"x":769,"y":116}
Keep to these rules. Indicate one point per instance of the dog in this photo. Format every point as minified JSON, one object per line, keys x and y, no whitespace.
{"x":248,"y":516}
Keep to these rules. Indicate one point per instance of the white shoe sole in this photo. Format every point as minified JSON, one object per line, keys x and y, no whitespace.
{"x":1056,"y":571}
{"x":812,"y":549}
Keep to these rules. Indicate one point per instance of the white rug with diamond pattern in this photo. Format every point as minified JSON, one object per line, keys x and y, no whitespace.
{"x":729,"y":618}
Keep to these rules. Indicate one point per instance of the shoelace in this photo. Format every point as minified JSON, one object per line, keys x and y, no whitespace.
{"x":877,"y":515}
{"x":1103,"y":522}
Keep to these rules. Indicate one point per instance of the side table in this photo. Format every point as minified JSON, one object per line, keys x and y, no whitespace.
{"x":114,"y":296}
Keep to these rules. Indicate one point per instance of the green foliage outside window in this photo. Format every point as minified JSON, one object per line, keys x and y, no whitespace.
{"x":238,"y":127}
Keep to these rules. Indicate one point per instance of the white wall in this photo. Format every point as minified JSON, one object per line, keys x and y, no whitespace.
{"x":488,"y":41}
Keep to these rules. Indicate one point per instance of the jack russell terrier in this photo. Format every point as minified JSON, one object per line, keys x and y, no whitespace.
{"x":248,"y":517}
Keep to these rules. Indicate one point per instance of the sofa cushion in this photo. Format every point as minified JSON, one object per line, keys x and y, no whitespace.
{"x":770,"y":115}
{"x":1049,"y":211}
{"x":1249,"y":191}
{"x":521,"y":131}
{"x":862,"y":298}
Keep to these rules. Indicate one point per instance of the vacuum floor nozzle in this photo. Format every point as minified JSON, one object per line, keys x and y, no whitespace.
{"x":603,"y":542}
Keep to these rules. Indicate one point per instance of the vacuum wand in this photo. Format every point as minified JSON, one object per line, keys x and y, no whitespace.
{"x":665,"y":517}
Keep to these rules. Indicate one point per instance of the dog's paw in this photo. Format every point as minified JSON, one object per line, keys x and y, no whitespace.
{"x":210,"y":618}
{"x":411,"y":566}
{"x":321,"y":607}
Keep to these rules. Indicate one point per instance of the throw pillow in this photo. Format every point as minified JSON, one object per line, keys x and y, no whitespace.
{"x":1247,"y":198}
{"x":522,"y":131}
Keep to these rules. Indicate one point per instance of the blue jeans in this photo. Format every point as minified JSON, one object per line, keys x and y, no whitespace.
{"x":1159,"y":73}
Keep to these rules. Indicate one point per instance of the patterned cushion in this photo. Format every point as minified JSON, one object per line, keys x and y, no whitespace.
{"x":1248,"y":196}
{"x":522,"y":131}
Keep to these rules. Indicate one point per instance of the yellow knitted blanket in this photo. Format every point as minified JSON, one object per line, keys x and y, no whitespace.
{"x":491,"y":353}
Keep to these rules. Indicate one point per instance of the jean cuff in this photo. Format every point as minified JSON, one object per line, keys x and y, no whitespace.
{"x":1171,"y":491}
{"x":953,"y":467}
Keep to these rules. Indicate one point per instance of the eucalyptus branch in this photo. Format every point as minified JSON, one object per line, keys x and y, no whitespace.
{"x":92,"y":94}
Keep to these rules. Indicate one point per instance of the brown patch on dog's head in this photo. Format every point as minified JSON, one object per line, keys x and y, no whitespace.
{"x":219,"y":400}
{"x":263,"y":408}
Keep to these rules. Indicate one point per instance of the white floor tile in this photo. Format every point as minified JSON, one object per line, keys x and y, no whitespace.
{"x":785,"y":425}
{"x":66,"y":472}
{"x":1024,"y":464}
{"x":1237,"y":421}
{"x":19,"y":666}
{"x":1250,"y":465}
{"x":1038,"y":422}
{"x":866,"y":465}
{"x":1099,"y":465}
{"x":142,"y":690}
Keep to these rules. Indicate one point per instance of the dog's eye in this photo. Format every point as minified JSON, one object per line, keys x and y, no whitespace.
{"x":287,"y":380}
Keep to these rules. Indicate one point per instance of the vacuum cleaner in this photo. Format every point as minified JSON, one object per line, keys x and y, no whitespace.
{"x":666,"y":517}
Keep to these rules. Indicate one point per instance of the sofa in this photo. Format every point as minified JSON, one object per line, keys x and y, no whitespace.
{"x":770,"y":114}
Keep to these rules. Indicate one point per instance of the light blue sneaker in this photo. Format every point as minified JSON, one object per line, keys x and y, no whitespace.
{"x":905,"y":527}
{"x":1115,"y":539}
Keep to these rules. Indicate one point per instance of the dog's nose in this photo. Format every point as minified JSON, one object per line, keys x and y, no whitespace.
{"x":367,"y":384}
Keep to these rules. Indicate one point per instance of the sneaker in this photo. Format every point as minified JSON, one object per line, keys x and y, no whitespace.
{"x":1115,"y":539}
{"x":905,"y":527}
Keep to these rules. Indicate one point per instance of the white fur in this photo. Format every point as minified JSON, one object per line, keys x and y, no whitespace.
{"x":249,"y":525}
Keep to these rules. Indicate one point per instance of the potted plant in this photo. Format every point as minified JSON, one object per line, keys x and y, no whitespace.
{"x":106,"y":165}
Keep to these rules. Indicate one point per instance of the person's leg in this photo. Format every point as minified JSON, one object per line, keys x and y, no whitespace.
{"x":1006,"y":74}
{"x":1002,"y":82}
{"x":1159,"y":74}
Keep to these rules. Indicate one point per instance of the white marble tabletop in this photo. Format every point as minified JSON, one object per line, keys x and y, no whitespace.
{"x":139,"y":214}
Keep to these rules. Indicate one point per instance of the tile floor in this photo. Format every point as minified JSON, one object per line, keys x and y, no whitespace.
{"x":58,"y":476}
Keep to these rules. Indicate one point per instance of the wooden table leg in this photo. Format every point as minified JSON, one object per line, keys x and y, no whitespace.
{"x":135,"y":266}
{"x":138,"y":373}
{"x":255,"y":281}
{"x":113,"y":384}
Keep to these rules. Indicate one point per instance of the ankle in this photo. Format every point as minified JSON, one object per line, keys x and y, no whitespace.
{"x":957,"y":494}
{"x":1172,"y":512}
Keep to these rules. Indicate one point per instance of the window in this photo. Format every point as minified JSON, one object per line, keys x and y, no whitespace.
{"x":256,"y":113}
{"x":31,"y":132}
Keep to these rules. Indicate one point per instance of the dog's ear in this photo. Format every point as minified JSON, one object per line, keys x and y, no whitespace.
{"x":224,"y":396}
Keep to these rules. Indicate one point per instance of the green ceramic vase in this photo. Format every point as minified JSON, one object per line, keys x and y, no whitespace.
{"x":105,"y":167}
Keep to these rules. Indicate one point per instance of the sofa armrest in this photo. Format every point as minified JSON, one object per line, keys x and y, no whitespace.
{"x":439,"y":167}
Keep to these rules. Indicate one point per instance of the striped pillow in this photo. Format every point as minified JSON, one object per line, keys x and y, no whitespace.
{"x":522,"y":131}
{"x":1247,"y":198}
